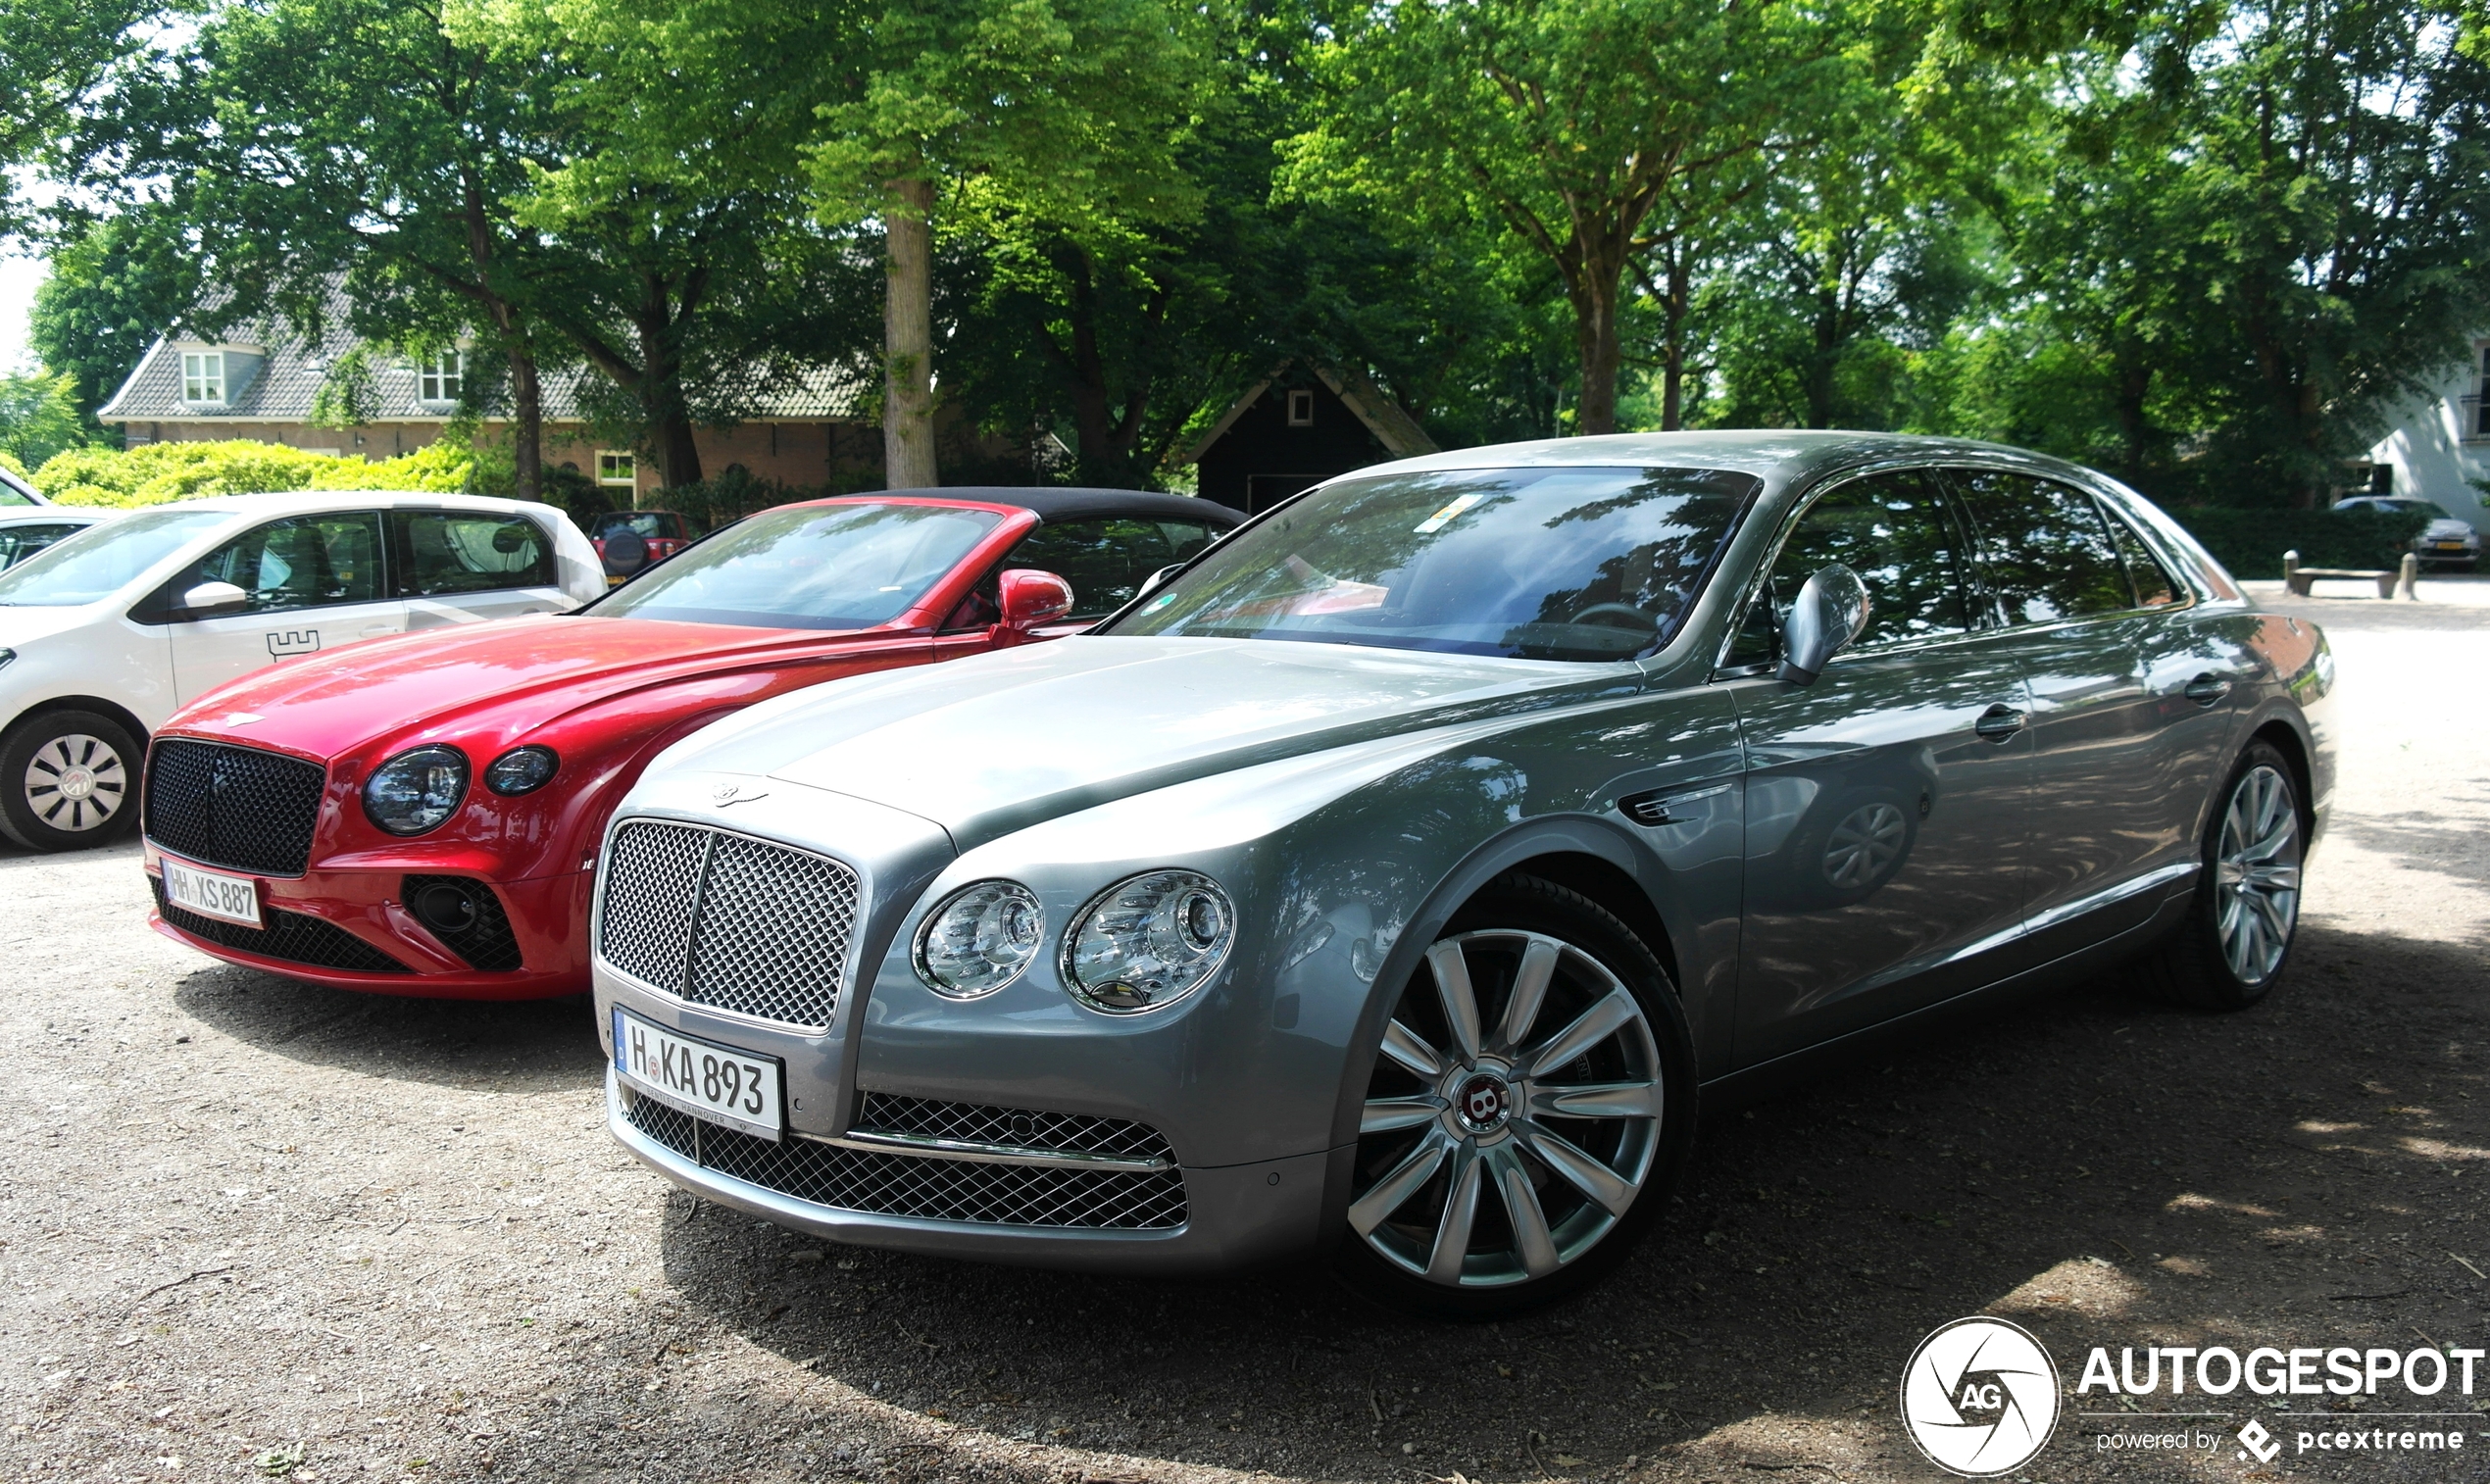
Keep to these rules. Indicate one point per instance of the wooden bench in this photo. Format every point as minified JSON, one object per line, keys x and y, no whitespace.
{"x":2300,"y":579}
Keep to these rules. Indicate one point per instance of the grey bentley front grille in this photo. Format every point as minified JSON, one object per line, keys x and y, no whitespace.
{"x":727,"y":921}
{"x":888,"y":1183}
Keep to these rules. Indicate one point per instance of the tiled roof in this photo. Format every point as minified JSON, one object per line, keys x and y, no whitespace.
{"x":291,"y":375}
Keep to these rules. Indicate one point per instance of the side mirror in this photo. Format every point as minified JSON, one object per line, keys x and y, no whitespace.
{"x":625,"y":552}
{"x":1830,"y":611}
{"x":212,"y":598}
{"x":1030,"y":598}
{"x":1151,"y":584}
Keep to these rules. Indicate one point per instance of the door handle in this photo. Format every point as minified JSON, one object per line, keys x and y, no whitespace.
{"x":2204,"y":690}
{"x":1999,"y":722}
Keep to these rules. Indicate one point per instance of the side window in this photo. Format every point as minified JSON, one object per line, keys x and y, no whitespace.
{"x":2043,"y":549}
{"x":2145,"y":572}
{"x":442,"y":552}
{"x":304,"y":562}
{"x":1893,"y":530}
{"x":1106,"y":560}
{"x":18,"y":542}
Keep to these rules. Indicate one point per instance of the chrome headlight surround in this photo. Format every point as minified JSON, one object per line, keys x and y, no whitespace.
{"x":417,"y":790}
{"x":979,"y":940}
{"x":1147,"y":942}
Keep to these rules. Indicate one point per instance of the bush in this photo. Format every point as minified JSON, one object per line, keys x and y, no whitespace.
{"x":2251,"y":542}
{"x":735,"y":493}
{"x":154,"y":473}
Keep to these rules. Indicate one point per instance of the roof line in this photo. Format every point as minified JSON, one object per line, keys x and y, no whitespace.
{"x":106,"y":410}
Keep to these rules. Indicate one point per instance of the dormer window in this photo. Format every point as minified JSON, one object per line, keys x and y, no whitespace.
{"x":442,"y":376}
{"x":203,"y":376}
{"x":1301,"y":408}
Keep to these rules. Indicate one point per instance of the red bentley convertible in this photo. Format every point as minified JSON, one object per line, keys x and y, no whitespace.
{"x":419,"y":816}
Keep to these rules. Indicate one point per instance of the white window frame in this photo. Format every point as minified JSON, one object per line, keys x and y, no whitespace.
{"x":618,"y":467}
{"x":202,"y":377}
{"x":1301,"y":408}
{"x":441,"y":376}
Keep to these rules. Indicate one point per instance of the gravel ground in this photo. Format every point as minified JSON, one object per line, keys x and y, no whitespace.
{"x":253,"y":1229}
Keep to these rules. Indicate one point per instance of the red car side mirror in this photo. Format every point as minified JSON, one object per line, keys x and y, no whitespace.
{"x":1030,"y":598}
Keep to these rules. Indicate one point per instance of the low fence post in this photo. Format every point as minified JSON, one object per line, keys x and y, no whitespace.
{"x":2291,"y":583}
{"x":2407,"y":574}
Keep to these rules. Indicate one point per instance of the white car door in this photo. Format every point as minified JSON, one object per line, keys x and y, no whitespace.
{"x":309,"y":583}
{"x":467,"y":566}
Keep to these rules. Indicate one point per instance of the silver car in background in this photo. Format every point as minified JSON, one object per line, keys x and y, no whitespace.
{"x":1398,"y":878}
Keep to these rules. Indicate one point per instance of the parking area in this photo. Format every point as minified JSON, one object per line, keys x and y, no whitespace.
{"x":254,"y":1229}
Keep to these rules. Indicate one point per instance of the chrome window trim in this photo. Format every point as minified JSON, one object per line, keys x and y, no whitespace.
{"x":596,"y":926}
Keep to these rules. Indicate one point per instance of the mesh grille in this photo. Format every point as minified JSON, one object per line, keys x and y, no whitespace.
{"x":727,"y":921}
{"x":1077,"y":1133}
{"x":487,"y":945}
{"x":911,"y":1185}
{"x":288,"y":936}
{"x":235,"y":807}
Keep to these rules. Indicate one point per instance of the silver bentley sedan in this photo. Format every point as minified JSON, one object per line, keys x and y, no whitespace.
{"x":1399,"y":878}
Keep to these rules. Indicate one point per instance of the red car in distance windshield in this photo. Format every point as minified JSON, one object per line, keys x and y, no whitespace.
{"x":421,"y":815}
{"x":630,"y":541}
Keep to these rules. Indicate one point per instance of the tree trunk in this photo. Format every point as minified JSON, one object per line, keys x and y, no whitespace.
{"x":2135,"y":384}
{"x":1595,"y":342}
{"x":1676,"y":299}
{"x":1828,"y":354}
{"x":908,"y":447}
{"x":526,"y":422}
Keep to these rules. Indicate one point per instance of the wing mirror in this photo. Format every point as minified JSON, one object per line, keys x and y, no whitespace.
{"x":212,"y":598}
{"x":1030,"y":598}
{"x":1831,"y":611}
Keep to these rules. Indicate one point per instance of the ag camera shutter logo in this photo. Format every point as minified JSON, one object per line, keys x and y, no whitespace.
{"x":1980,"y":1397}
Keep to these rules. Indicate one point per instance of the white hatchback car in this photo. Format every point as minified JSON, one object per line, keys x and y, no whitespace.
{"x":109,"y":631}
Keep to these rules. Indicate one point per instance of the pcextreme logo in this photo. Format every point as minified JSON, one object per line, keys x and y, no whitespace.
{"x":1980,"y":1397}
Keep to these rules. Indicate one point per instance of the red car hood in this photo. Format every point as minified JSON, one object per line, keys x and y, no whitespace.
{"x":523,"y":671}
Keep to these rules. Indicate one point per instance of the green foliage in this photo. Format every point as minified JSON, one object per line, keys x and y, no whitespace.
{"x":154,"y":473}
{"x":115,"y":284}
{"x":2251,"y":542}
{"x":39,"y":416}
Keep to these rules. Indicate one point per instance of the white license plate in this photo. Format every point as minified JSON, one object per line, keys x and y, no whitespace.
{"x":235,"y":899}
{"x":700,"y":1077}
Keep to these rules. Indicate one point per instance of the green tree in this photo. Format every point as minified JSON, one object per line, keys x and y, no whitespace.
{"x":39,"y":416}
{"x":1580,"y":125}
{"x":115,"y":283}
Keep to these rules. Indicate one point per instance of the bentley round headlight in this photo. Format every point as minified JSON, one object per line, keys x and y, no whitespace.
{"x":979,"y":939}
{"x":415,"y":791}
{"x":521,"y":771}
{"x":1148,"y":941}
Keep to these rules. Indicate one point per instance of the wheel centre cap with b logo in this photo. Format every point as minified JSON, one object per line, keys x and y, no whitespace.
{"x":1483,"y":1102}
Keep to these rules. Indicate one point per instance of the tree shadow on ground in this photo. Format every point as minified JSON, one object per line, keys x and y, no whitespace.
{"x":2094,"y":1163}
{"x":529,"y":1046}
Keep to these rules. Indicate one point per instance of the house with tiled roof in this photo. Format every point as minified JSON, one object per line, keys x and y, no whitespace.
{"x":260,"y":381}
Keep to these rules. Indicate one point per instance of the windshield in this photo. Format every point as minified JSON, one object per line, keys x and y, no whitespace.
{"x":1539,"y":564}
{"x":102,"y":560}
{"x":807,"y":566}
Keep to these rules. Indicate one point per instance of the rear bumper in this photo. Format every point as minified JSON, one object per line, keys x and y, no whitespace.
{"x":349,"y":929}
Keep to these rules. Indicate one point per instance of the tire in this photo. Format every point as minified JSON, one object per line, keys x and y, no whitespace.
{"x":1466,"y":1119}
{"x":2236,"y":940}
{"x":68,"y":780}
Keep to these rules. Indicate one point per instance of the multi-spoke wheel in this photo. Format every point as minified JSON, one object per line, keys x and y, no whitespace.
{"x":68,"y":778}
{"x":1533,"y":1091}
{"x":2237,"y":939}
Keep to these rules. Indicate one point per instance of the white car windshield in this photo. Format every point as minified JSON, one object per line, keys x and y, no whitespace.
{"x":807,"y":566}
{"x":1541,"y":564}
{"x":102,"y":560}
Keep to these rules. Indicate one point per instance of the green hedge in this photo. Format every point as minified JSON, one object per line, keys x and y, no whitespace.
{"x":153,"y":474}
{"x":2251,"y":542}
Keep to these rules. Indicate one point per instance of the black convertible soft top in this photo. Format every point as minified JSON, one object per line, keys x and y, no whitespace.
{"x":1058,"y":503}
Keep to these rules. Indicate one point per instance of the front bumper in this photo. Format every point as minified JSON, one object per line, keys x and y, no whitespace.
{"x":350,"y":929}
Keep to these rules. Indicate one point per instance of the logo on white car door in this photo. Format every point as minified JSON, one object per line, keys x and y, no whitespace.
{"x":293,"y":642}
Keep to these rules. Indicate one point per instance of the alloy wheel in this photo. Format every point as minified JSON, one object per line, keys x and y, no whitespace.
{"x":1513,"y":1116}
{"x":2257,"y":874}
{"x":75,"y":782}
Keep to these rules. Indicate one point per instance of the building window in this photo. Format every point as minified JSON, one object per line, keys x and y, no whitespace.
{"x":203,"y":376}
{"x":443,"y":376}
{"x":1301,"y":408}
{"x":616,"y":468}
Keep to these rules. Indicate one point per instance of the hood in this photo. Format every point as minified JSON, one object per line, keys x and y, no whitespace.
{"x":524,"y":672}
{"x":995,"y":743}
{"x":21,"y":624}
{"x":2446,"y":528}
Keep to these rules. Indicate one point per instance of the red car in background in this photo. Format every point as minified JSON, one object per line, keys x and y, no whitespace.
{"x":420,"y":816}
{"x":630,"y":541}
